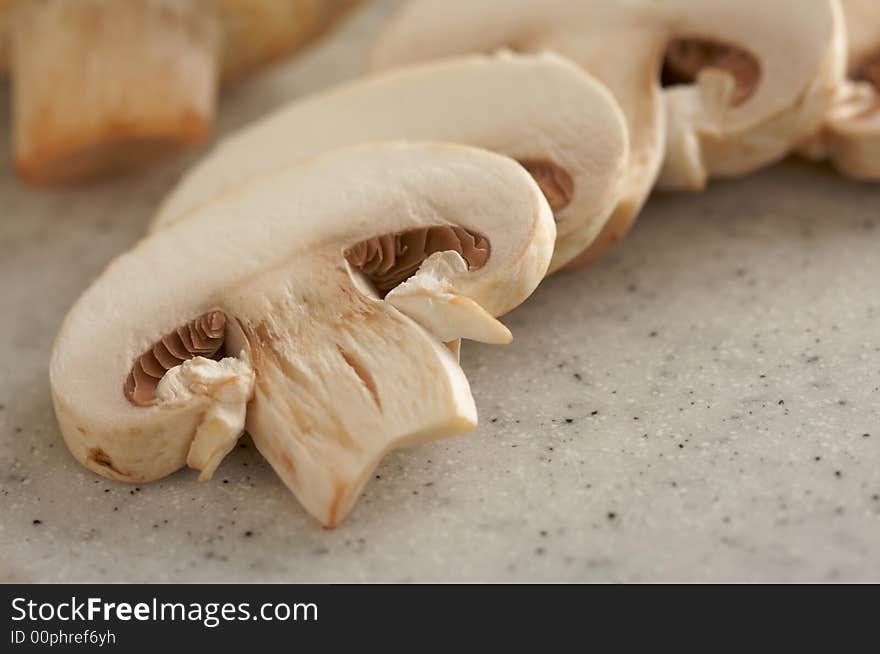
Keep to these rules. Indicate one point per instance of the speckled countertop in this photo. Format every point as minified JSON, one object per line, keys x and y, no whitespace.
{"x":702,"y":405}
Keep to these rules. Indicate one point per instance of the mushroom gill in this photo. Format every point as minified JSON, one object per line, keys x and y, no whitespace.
{"x":391,"y":259}
{"x":868,"y":70}
{"x":555,"y":182}
{"x":686,"y":57}
{"x":200,"y":337}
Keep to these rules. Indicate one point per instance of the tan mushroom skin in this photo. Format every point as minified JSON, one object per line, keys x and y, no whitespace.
{"x":567,"y":131}
{"x":325,"y":373}
{"x":102,"y":86}
{"x":714,"y":130}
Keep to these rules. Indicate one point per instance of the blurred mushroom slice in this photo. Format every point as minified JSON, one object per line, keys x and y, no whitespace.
{"x":260,"y":31}
{"x":700,"y":143}
{"x":102,"y":86}
{"x":851,"y":134}
{"x":715,"y":129}
{"x":325,"y":374}
{"x":5,"y":7}
{"x":560,"y":124}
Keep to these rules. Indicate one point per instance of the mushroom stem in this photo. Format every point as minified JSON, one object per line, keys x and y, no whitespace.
{"x":102,"y":85}
{"x":398,"y":385}
{"x":686,"y":58}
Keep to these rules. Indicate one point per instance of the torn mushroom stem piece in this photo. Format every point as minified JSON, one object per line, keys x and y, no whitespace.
{"x":566,"y":130}
{"x":325,"y":374}
{"x":714,"y":127}
{"x":391,"y":259}
{"x":687,"y":58}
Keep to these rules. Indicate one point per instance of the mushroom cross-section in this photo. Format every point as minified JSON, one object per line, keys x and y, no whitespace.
{"x":542,"y":110}
{"x":101,"y":86}
{"x":850,"y":137}
{"x":276,"y":324}
{"x":715,"y":130}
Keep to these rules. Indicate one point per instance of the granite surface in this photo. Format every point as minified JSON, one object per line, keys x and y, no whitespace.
{"x":704,"y":404}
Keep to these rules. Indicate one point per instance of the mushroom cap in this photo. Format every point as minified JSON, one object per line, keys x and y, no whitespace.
{"x":623,"y":44}
{"x":532,"y":108}
{"x":341,"y":376}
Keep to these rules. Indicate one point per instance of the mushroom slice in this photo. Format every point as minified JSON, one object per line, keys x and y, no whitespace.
{"x":101,"y":86}
{"x":714,"y":129}
{"x":258,"y":31}
{"x":566,"y":130}
{"x":5,"y":6}
{"x":850,"y":137}
{"x":325,"y":373}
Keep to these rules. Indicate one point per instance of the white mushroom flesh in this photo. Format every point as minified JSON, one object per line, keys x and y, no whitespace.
{"x":796,"y":42}
{"x":338,"y":376}
{"x":563,"y":126}
{"x":850,"y":137}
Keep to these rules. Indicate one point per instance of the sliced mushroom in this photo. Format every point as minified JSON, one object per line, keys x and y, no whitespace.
{"x":102,"y":86}
{"x":259,"y":31}
{"x":850,"y":137}
{"x":330,"y":375}
{"x":5,"y":6}
{"x":564,"y":127}
{"x":623,"y":43}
